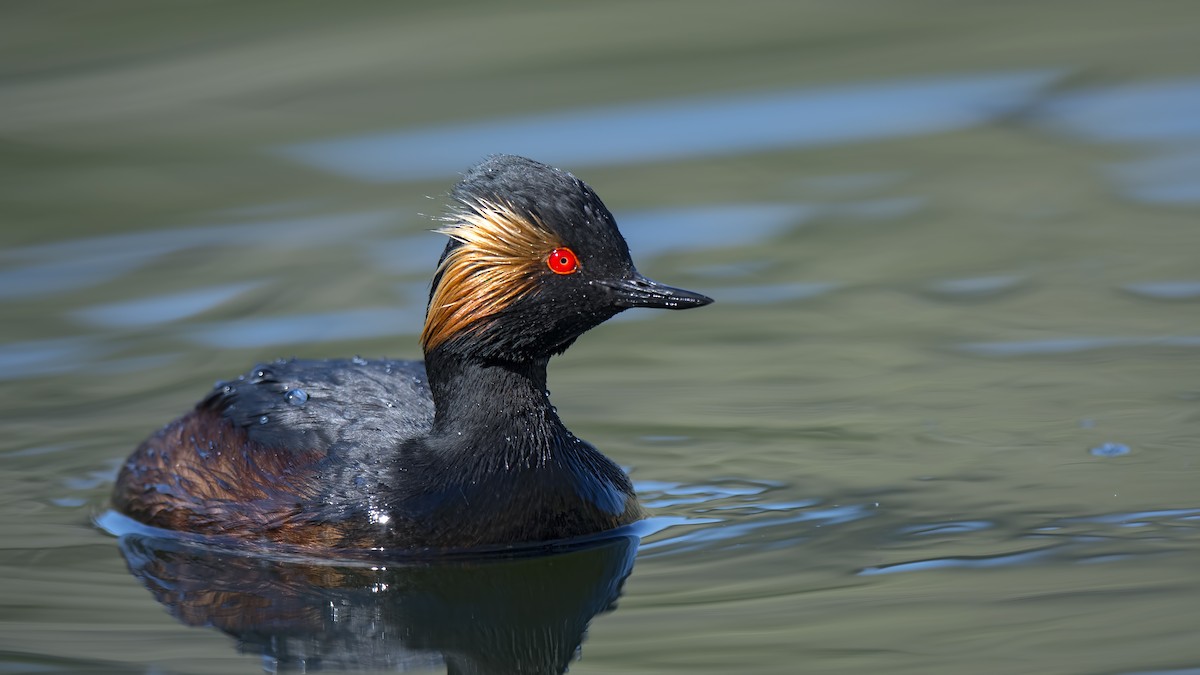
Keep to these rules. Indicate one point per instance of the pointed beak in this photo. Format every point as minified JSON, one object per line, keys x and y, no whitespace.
{"x":639,"y":291}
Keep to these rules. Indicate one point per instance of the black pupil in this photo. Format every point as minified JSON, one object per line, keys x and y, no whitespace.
{"x":563,"y":261}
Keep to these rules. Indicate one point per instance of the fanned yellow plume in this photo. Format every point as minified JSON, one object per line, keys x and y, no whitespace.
{"x":503,"y":253}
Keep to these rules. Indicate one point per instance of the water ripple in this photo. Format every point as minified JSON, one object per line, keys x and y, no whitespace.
{"x":48,"y":357}
{"x":727,"y":124}
{"x":1136,"y":518}
{"x":81,"y":263}
{"x":1170,"y":178}
{"x":1077,"y":539}
{"x":1166,"y":290}
{"x":355,"y":324}
{"x":972,"y":562}
{"x":159,"y":309}
{"x":654,"y":232}
{"x":975,"y":288}
{"x":661,"y":494}
{"x":732,"y":513}
{"x":948,"y":527}
{"x":1068,"y":345}
{"x":1166,"y":111}
{"x":766,"y":294}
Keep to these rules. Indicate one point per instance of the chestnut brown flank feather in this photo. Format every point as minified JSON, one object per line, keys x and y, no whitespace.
{"x":202,"y":474}
{"x":498,"y":262}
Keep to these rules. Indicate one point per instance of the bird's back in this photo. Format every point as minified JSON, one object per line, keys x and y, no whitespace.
{"x":256,"y":455}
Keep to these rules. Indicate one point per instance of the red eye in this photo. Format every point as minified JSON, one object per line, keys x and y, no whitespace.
{"x":563,"y":261}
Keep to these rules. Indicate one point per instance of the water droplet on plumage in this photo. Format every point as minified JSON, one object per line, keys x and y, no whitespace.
{"x":296,"y":397}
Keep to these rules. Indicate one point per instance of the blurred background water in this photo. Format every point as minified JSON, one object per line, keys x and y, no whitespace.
{"x":943,"y":417}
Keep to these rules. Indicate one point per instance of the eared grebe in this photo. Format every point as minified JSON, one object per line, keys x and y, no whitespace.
{"x":461,"y":451}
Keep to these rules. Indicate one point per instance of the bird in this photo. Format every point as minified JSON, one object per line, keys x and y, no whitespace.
{"x":460,"y":451}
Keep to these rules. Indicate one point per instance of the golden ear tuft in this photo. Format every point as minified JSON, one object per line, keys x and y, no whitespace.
{"x":497,"y":263}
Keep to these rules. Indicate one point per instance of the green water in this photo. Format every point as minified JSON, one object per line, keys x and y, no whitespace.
{"x":943,"y":417}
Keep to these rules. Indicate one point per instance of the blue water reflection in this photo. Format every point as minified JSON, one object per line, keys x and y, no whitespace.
{"x":1160,"y":114}
{"x":355,"y":324}
{"x":1169,"y":178}
{"x":976,"y":288}
{"x":1076,"y":539}
{"x":1068,"y":345}
{"x":971,"y":562}
{"x":85,"y":262}
{"x":695,"y":127}
{"x":160,"y":309}
{"x":655,"y":232}
{"x":1166,"y":111}
{"x":1184,"y":289}
{"x":47,"y":356}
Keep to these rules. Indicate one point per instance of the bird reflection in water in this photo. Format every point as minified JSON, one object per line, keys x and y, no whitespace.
{"x":483,"y":615}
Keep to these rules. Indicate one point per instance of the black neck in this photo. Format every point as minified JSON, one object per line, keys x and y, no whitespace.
{"x":498,"y":466}
{"x":497,"y":399}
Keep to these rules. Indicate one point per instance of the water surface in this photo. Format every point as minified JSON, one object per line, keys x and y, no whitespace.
{"x":943,"y":417}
